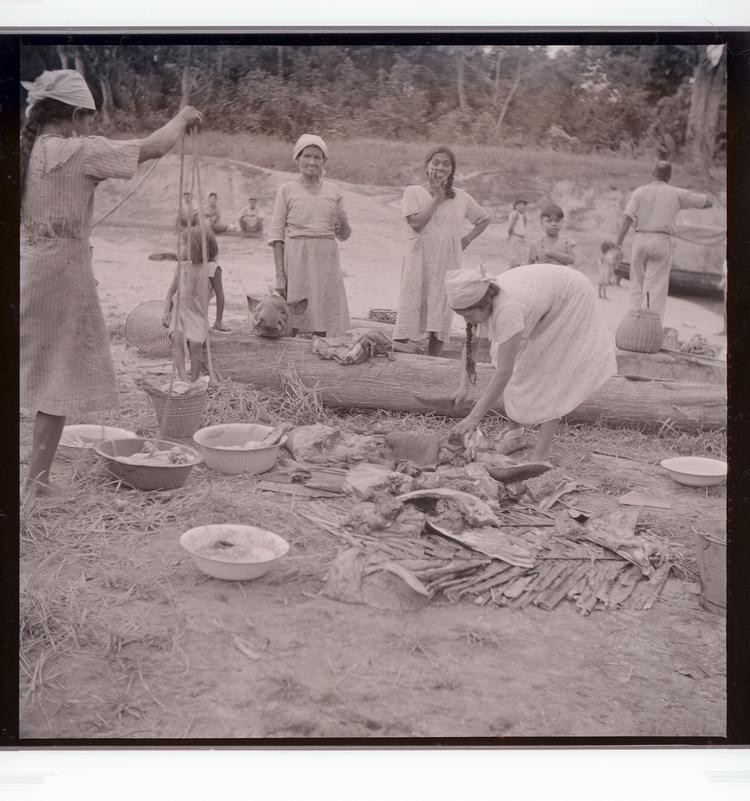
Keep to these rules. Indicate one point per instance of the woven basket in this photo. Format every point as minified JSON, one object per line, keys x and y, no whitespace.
{"x":176,"y":415}
{"x":640,"y":331}
{"x":382,"y":316}
{"x":671,"y":339}
{"x":144,"y":331}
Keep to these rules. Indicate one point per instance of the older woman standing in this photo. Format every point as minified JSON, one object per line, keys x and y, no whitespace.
{"x":308,"y":217}
{"x":435,"y":214}
{"x":550,"y":349}
{"x":66,"y":367}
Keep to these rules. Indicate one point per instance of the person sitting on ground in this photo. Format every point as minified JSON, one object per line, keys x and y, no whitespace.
{"x":608,"y":258}
{"x":251,"y":223}
{"x":517,"y":233}
{"x":212,"y":214}
{"x":551,"y":249}
{"x":188,"y":213}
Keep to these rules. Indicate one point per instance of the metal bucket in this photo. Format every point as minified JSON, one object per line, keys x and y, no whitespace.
{"x":179,"y":415}
{"x":711,"y":550}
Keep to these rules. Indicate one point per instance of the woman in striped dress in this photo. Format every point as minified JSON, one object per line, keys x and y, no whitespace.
{"x":66,"y":367}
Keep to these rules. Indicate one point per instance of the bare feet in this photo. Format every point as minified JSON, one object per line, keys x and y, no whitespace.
{"x":219,"y":326}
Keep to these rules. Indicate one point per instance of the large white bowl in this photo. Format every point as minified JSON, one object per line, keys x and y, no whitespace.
{"x":250,"y":554}
{"x":80,"y":440}
{"x":222,"y":450}
{"x":696,"y":471}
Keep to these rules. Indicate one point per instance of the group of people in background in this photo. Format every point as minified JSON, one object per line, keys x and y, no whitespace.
{"x":549,"y":347}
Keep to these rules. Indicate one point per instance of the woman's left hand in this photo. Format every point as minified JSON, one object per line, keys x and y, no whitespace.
{"x":463,"y":427}
{"x":465,"y":242}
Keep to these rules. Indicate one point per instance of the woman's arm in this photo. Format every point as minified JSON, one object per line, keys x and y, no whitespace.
{"x":342,"y":228}
{"x":278,"y":260}
{"x":474,"y":233}
{"x":165,"y":138}
{"x":562,"y":255}
{"x":506,"y":357}
{"x":419,"y":219}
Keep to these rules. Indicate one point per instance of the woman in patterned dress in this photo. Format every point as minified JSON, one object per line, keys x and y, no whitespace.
{"x":550,"y":349}
{"x":308,"y":217}
{"x":435,"y":214}
{"x":66,"y":367}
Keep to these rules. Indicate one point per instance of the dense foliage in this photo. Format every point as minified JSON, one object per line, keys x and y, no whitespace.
{"x":624,"y":98}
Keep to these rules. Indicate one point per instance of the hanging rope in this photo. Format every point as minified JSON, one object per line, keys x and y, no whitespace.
{"x":178,"y":228}
{"x":204,"y":248}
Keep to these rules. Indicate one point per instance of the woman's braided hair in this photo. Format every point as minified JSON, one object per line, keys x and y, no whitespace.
{"x":471,"y":328}
{"x":449,"y":191}
{"x":43,"y":111}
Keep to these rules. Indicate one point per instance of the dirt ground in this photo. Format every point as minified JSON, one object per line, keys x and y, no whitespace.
{"x":123,"y":637}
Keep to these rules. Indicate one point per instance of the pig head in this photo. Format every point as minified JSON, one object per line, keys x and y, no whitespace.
{"x":273,"y":315}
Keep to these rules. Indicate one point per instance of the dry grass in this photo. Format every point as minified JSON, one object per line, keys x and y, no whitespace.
{"x":395,"y":163}
{"x":90,"y":592}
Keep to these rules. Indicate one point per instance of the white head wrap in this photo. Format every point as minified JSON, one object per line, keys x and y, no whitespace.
{"x":67,"y":86}
{"x":465,"y":288}
{"x":305,"y":141}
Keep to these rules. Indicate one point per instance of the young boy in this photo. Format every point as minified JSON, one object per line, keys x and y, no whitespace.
{"x":550,"y":249}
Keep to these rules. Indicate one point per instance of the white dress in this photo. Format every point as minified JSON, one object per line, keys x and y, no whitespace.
{"x":566,"y":354}
{"x":430,"y":254}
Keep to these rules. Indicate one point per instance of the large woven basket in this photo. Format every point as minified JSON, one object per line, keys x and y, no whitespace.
{"x":640,"y":331}
{"x":145,"y":332}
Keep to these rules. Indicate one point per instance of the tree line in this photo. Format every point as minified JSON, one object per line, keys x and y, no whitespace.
{"x":622,"y":98}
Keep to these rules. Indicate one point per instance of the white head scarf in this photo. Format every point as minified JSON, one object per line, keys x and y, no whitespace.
{"x":465,"y":288}
{"x":305,"y":141}
{"x":67,"y":86}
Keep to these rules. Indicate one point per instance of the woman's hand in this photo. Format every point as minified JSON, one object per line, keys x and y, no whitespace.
{"x":190,"y":116}
{"x":166,"y":318}
{"x":437,"y":185}
{"x":461,"y":394}
{"x":281,"y":290}
{"x":463,"y":427}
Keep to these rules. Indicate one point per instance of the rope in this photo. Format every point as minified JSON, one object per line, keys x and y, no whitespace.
{"x":204,"y":248}
{"x":179,"y":275}
{"x":114,"y":208}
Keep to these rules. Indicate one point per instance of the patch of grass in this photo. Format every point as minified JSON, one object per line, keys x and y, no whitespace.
{"x":384,"y":162}
{"x":480,"y":635}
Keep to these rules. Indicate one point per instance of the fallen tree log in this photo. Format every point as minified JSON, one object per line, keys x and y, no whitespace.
{"x":382,"y":384}
{"x":672,"y":364}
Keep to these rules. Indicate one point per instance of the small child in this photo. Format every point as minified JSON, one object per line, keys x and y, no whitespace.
{"x":550,"y":249}
{"x":607,"y":263}
{"x":517,"y":233}
{"x":196,"y":280}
